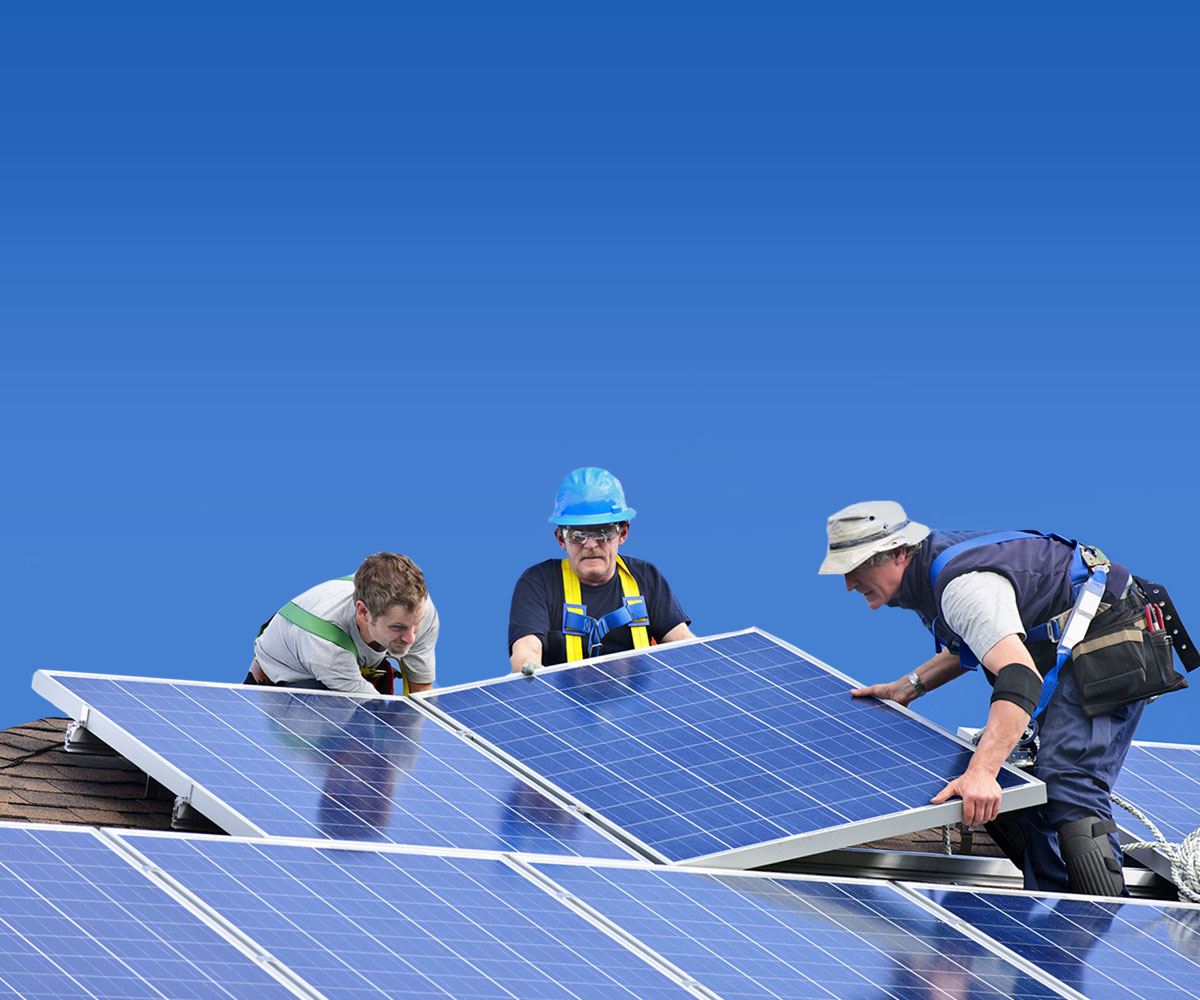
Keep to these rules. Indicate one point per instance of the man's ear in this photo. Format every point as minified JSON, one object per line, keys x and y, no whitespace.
{"x":361,"y":612}
{"x":558,"y":538}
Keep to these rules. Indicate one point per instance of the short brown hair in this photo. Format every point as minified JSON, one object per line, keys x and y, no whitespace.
{"x":387,"y":579}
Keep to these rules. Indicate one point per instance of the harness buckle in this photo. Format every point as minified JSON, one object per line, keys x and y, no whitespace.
{"x":575,"y":620}
{"x":1093,"y":558}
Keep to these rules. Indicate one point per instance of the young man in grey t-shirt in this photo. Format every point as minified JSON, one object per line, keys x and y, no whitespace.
{"x":337,"y":634}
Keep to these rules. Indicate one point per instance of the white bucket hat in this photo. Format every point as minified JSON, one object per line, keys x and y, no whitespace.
{"x":865,"y":529}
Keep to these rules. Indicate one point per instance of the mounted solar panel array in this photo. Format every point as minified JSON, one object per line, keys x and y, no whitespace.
{"x":354,"y":923}
{"x":287,"y":763}
{"x":737,"y":751}
{"x":1104,"y":949}
{"x":78,"y":921}
{"x":1163,"y":781}
{"x":163,"y":915}
{"x":794,"y":937}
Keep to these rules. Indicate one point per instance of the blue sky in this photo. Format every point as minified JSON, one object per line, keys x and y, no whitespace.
{"x":286,"y":285}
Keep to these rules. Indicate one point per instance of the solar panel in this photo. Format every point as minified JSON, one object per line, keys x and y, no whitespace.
{"x":1105,"y":949}
{"x":78,"y":921}
{"x":360,"y":923}
{"x":794,"y":937}
{"x":735,"y":751}
{"x":1163,"y":781}
{"x":288,"y":763}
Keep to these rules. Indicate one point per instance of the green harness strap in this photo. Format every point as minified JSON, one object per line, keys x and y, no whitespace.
{"x":322,"y":628}
{"x":319,"y":627}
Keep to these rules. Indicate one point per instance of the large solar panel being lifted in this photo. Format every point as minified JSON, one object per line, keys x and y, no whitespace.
{"x":358,"y":923}
{"x":1162,"y":780}
{"x":1105,"y":949}
{"x":79,"y":921}
{"x":794,"y":937}
{"x":287,"y":763}
{"x":735,"y":751}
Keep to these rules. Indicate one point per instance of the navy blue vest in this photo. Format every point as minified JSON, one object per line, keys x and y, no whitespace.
{"x":1038,"y":567}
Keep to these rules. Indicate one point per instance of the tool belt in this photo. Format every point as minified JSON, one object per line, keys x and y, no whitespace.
{"x":1126,"y":655}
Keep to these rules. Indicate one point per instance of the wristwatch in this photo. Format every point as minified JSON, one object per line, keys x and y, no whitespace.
{"x":919,"y":687}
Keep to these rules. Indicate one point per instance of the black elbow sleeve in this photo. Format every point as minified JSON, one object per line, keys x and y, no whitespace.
{"x":1020,"y":685}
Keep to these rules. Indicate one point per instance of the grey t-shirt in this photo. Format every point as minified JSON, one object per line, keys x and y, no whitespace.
{"x":982,"y":608}
{"x":288,"y":653}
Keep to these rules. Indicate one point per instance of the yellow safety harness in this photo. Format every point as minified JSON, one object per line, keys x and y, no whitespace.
{"x":577,"y":624}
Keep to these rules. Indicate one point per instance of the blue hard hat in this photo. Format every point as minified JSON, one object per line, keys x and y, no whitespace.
{"x":590,"y":496}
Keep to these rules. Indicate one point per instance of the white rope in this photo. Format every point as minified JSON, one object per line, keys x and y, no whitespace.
{"x":1184,"y":857}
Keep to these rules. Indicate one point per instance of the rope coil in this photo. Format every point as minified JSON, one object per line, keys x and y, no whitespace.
{"x":1184,"y":857}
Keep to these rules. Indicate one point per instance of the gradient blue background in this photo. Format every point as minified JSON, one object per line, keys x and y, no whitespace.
{"x":286,"y":285}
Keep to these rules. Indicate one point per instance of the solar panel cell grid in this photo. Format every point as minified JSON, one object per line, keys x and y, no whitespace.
{"x":361,"y":923}
{"x":702,"y":748}
{"x":78,"y":921}
{"x":1164,"y":782}
{"x":297,"y":764}
{"x":744,"y":937}
{"x":1106,"y":949}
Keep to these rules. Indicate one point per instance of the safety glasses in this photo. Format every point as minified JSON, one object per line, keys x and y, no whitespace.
{"x":599,"y":533}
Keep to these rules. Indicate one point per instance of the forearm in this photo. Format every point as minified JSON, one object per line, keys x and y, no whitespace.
{"x":680,"y":631}
{"x":527,"y":649}
{"x":1005,"y":725}
{"x":939,"y":669}
{"x":934,"y":672}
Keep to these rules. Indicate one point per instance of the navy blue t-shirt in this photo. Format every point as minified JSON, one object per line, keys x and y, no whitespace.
{"x":537,"y":607}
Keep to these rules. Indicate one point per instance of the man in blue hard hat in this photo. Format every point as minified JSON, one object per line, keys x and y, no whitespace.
{"x":594,"y":601}
{"x":1067,"y":638}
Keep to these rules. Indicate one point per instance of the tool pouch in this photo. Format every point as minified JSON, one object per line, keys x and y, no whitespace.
{"x":1120,"y":662}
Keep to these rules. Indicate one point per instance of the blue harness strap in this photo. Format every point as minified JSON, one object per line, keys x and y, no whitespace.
{"x":577,"y":622}
{"x":966,"y":656}
{"x":966,"y":545}
{"x":1090,"y":595}
{"x":1087,"y":588}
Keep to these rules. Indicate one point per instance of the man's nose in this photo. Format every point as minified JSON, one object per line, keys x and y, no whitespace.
{"x":851,"y":581}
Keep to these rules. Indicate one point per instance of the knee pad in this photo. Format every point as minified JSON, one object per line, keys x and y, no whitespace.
{"x":1088,"y":855}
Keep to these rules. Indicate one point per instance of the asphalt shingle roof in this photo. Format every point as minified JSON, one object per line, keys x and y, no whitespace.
{"x":41,"y":783}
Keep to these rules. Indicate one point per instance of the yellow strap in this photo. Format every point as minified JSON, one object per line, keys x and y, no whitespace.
{"x":641,"y":638}
{"x":572,"y":596}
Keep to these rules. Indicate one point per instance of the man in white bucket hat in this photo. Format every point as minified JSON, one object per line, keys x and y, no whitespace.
{"x":1021,"y":603}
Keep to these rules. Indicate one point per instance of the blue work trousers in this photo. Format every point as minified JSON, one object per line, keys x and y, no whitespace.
{"x":1079,"y":760}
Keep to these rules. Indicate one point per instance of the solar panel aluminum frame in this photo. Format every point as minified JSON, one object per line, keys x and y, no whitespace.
{"x":947,"y":870}
{"x":209,"y":803}
{"x":1031,"y":792}
{"x":225,"y":930}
